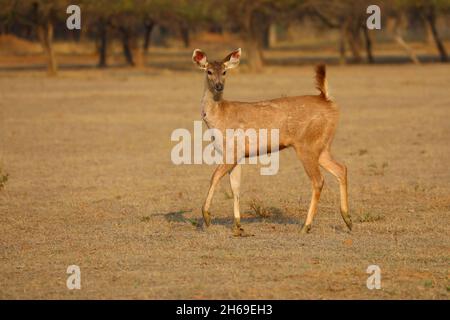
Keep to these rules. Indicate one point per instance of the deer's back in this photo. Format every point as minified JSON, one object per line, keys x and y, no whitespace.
{"x":291,"y":115}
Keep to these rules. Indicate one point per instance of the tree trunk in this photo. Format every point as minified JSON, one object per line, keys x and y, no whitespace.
{"x":354,"y":43}
{"x":138,"y":54}
{"x":255,"y":59}
{"x":253,"y":31}
{"x":126,"y":46}
{"x":265,"y":36}
{"x":160,"y":36}
{"x":429,"y":38}
{"x":272,"y":35}
{"x":184,"y":31}
{"x":134,"y":54}
{"x":399,"y":39}
{"x":394,"y":26}
{"x":368,"y":42}
{"x":149,"y":25}
{"x":342,"y":47}
{"x":103,"y":45}
{"x":260,"y":27}
{"x":431,"y":20}
{"x":45,"y":34}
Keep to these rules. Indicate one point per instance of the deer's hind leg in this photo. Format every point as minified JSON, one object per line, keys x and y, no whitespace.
{"x":220,"y":171}
{"x":310,"y":160}
{"x":340,"y":172}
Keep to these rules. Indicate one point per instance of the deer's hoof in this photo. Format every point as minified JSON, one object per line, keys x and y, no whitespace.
{"x":206,"y":218}
{"x":305,"y":229}
{"x":348,"y":222}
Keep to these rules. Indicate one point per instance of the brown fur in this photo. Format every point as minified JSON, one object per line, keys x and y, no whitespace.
{"x":321,"y":81}
{"x":306,"y":123}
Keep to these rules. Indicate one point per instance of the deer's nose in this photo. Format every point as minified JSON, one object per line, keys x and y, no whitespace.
{"x":218,"y":86}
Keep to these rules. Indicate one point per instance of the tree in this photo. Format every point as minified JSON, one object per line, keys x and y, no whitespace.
{"x":349,"y":17}
{"x":181,"y":16}
{"x":251,"y":19}
{"x":429,"y":10}
{"x":98,"y":13}
{"x":125,"y":19}
{"x":396,"y":23}
{"x":41,"y":16}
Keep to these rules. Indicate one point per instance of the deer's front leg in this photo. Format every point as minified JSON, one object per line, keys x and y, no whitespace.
{"x":235,"y":182}
{"x":220,"y":171}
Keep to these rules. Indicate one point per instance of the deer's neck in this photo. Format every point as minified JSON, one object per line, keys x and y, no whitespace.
{"x":210,"y":102}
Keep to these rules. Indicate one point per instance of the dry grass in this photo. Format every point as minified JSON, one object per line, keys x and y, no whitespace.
{"x":91,"y":183}
{"x":259,"y":209}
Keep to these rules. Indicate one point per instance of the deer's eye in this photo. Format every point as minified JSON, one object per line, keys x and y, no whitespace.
{"x":224,"y":73}
{"x":209,"y":72}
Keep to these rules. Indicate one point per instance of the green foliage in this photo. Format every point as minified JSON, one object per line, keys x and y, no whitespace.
{"x":428,"y":284}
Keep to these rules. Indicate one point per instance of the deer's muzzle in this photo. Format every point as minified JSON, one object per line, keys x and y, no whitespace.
{"x":218,"y":87}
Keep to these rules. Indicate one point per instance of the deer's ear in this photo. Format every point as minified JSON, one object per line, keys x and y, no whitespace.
{"x":199,"y":58}
{"x":232,"y":60}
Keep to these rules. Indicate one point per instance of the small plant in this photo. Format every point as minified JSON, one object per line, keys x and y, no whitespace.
{"x":3,"y":179}
{"x":259,"y":209}
{"x":228,"y":195}
{"x":378,"y":171}
{"x":193,"y":222}
{"x":362,"y":152}
{"x":370,"y":217}
{"x":428,"y":284}
{"x":145,"y":218}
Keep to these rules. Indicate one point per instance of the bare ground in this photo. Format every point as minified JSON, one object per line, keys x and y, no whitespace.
{"x":91,"y":184}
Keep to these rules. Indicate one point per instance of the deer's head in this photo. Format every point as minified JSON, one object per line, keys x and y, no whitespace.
{"x":216,"y":70}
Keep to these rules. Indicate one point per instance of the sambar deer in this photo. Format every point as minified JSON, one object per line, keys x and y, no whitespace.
{"x":306,"y":123}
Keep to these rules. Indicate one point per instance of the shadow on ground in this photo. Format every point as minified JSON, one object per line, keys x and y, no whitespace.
{"x":275,"y":215}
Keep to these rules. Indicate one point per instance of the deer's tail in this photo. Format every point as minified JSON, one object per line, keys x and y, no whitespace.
{"x":321,"y":81}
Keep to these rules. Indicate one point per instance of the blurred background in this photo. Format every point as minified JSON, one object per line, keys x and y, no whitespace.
{"x":162,"y":34}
